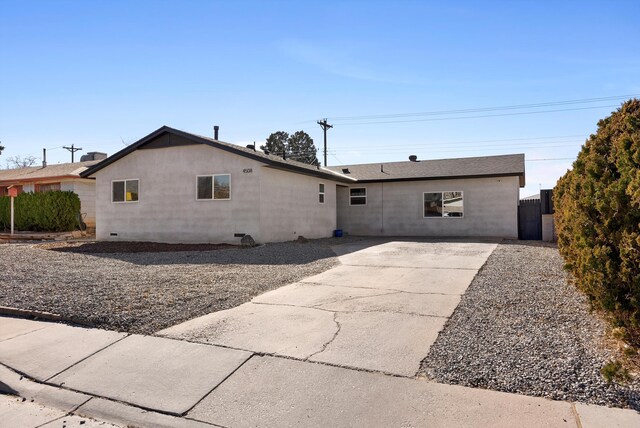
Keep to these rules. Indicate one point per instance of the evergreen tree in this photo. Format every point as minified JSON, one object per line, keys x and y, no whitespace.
{"x":298,"y":146}
{"x":301,"y":148}
{"x":276,"y":143}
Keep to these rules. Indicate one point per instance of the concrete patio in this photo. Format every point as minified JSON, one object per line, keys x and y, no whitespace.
{"x":341,"y":348}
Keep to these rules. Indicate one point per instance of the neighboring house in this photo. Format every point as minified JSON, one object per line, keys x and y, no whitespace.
{"x":173,"y":186}
{"x":64,"y":176}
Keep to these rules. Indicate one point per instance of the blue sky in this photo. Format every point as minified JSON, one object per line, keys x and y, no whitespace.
{"x":101,"y":74}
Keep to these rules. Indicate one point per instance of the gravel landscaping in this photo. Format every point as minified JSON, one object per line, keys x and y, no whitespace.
{"x":522,"y":328}
{"x":144,"y":292}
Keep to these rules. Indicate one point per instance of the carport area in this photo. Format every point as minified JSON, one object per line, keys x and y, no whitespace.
{"x":380,"y":310}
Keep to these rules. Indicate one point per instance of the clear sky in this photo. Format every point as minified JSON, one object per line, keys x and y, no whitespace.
{"x":101,"y":74}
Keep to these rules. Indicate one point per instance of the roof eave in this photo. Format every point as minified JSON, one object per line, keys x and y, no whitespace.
{"x":212,"y":143}
{"x":450,"y":177}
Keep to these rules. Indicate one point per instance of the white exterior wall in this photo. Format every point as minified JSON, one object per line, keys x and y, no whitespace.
{"x":167,"y":210}
{"x":396,"y":209}
{"x":289,"y":206}
{"x":548,"y":228}
{"x":86,"y":191}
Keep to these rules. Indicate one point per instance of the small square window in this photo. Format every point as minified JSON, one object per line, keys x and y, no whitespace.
{"x":358,"y":196}
{"x":124,"y":191}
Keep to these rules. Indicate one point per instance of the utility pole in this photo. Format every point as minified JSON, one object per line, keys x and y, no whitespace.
{"x":72,"y":149}
{"x":324,"y":125}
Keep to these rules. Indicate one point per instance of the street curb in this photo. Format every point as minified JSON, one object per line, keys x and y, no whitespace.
{"x":37,"y":315}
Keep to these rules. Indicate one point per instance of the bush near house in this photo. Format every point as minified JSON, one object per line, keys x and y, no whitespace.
{"x":597,"y":214}
{"x":54,"y":211}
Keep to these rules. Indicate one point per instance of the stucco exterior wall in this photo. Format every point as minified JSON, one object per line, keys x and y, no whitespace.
{"x":167,"y":210}
{"x":396,"y":209}
{"x":289,"y":206}
{"x":86,"y":191}
{"x":548,"y":228}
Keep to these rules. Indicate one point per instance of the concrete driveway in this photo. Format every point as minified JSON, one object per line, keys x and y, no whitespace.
{"x":342,"y":333}
{"x":380,"y":310}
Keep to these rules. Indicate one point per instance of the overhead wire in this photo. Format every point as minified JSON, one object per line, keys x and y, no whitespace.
{"x":473,"y":117}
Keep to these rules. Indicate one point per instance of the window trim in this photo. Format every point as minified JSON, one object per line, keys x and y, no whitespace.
{"x":366,"y":201}
{"x":213,"y":181}
{"x":124,"y":180}
{"x":443,"y":192}
{"x":322,"y":193}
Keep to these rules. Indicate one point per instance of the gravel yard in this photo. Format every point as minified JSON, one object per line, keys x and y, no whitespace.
{"x":143,"y":292}
{"x":521,"y":328}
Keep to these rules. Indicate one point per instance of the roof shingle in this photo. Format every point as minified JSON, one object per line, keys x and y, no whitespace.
{"x":51,"y":170}
{"x":489,"y":166}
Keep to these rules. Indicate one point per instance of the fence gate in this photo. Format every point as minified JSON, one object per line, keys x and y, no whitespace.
{"x":530,"y":220}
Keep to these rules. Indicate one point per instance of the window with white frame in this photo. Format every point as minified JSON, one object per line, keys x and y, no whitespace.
{"x":124,"y":191}
{"x":358,"y":196}
{"x":321,"y":193}
{"x":213,"y":187}
{"x":443,"y":204}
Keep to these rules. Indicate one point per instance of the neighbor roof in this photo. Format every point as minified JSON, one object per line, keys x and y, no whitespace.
{"x":439,"y":169}
{"x":35,"y":173}
{"x":270,"y":159}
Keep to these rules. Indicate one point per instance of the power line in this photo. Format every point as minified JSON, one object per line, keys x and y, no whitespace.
{"x":324,"y":125}
{"x":549,"y":137}
{"x":474,"y":117}
{"x":73,"y":150}
{"x":454,"y":148}
{"x":485,"y":109}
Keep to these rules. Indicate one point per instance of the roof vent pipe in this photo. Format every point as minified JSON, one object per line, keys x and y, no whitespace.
{"x":413,"y":158}
{"x":44,"y":158}
{"x":216,"y":128}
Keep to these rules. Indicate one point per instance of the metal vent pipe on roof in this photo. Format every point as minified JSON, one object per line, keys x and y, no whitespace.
{"x":216,"y":128}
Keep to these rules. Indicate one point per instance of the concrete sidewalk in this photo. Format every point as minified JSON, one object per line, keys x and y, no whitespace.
{"x":338,"y":349}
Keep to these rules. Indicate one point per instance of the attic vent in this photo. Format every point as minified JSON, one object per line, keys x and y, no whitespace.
{"x":413,"y":158}
{"x":346,"y":171}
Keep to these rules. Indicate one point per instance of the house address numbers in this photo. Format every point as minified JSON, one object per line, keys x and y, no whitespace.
{"x":247,"y":170}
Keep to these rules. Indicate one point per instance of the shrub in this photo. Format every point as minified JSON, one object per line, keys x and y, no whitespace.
{"x":597,"y":214}
{"x":45,"y":212}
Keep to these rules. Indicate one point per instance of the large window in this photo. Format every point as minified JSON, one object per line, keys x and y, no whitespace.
{"x":443,"y":204}
{"x":214,"y":187}
{"x":358,"y":196}
{"x":48,"y":187}
{"x":321,"y":193}
{"x":124,"y":191}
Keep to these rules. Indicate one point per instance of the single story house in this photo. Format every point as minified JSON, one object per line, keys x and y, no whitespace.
{"x":174,"y":186}
{"x":63,"y":176}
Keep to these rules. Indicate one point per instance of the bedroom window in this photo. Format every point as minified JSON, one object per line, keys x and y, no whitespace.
{"x":213,"y":187}
{"x":443,"y":204}
{"x":124,"y":191}
{"x":48,"y":187}
{"x":358,"y":196}
{"x":321,"y":193}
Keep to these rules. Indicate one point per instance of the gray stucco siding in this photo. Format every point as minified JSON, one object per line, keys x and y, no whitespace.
{"x":396,"y":208}
{"x":290,"y":206}
{"x":167,"y":210}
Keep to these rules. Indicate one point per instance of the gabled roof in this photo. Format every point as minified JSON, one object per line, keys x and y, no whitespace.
{"x":35,"y":173}
{"x":439,"y":169}
{"x":271,"y":160}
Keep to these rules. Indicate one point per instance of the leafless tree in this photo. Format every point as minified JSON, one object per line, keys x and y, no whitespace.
{"x":20,"y":162}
